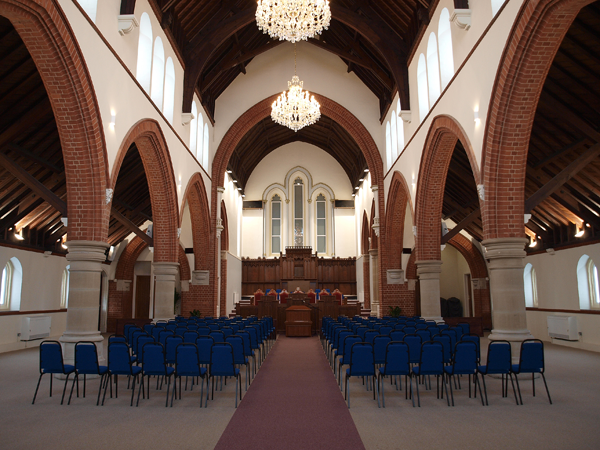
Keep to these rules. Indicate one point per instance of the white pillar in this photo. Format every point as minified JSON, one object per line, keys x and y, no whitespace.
{"x":507,"y":291}
{"x":85,"y":258}
{"x":429,"y":283}
{"x":332,"y":227}
{"x":267,"y":223}
{"x":220,"y":227}
{"x":308,"y":227}
{"x":374,"y":280}
{"x":165,"y":274}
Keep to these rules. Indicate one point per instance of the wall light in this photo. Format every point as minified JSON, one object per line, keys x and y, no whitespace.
{"x":113,"y":119}
{"x":476,"y":116}
{"x":366,"y":170}
{"x":356,"y":188}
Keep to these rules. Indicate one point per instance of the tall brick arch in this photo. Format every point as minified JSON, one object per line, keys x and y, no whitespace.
{"x":535,"y":37}
{"x":478,"y":269}
{"x":224,"y":249}
{"x":200,"y":296}
{"x":152,"y":147}
{"x":365,"y":233}
{"x":45,"y":31}
{"x":261,"y":110}
{"x":443,"y":134}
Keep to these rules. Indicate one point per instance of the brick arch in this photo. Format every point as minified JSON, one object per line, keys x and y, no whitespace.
{"x":443,"y":134}
{"x":374,"y":240}
{"x":261,"y":110}
{"x":535,"y":37}
{"x":364,"y":241}
{"x":46,"y":33}
{"x":200,"y":297}
{"x":184,"y":266}
{"x":365,"y":233}
{"x":398,"y":198}
{"x":152,"y":147}
{"x":120,"y":302}
{"x":224,"y":248}
{"x":478,"y":268}
{"x":225,"y":232}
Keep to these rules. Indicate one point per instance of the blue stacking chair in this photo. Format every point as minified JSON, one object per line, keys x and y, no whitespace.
{"x":127,"y":329}
{"x":239,"y":355}
{"x":421,"y":326}
{"x":172,"y":326}
{"x":222,"y":364}
{"x":362,"y":364}
{"x":424,"y":334}
{"x":466,"y":327}
{"x":217,"y":335}
{"x":141,"y":341}
{"x":203,"y":330}
{"x":190,"y":337}
{"x":156,"y":333}
{"x":227,"y":331}
{"x":453,"y":338}
{"x":459,"y":332}
{"x":153,"y":364}
{"x":397,"y":335}
{"x":531,"y":360}
{"x":187,"y":364}
{"x":346,"y":343}
{"x":86,"y":363}
{"x":475,"y":339}
{"x":162,"y":336}
{"x":148,"y":328}
{"x":414,"y":347}
{"x":397,"y":363}
{"x":192,"y":326}
{"x":446,"y":344}
{"x":254,"y":345}
{"x":51,"y":362}
{"x":339,"y":346}
{"x":117,"y":338}
{"x":379,"y":348}
{"x":204,"y":344}
{"x":119,"y":363}
{"x":464,"y":363}
{"x":171,"y":344}
{"x":180,"y":330}
{"x":385,"y":330}
{"x":135,"y":334}
{"x":499,"y":362}
{"x":431,"y":362}
{"x":370,"y":335}
{"x":409,"y":329}
{"x":214,"y":326}
{"x":248,"y":352}
{"x":443,"y":326}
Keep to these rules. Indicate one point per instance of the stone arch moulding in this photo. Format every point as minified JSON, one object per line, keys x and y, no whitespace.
{"x":365,"y":233}
{"x":443,"y":134}
{"x":284,"y":187}
{"x":196,"y":197}
{"x":535,"y":37}
{"x":330,"y":109}
{"x":45,"y":31}
{"x":398,"y":198}
{"x":152,"y":147}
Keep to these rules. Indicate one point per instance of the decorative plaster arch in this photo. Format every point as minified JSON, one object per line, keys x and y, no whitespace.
{"x":153,"y":150}
{"x":45,"y":31}
{"x":535,"y":38}
{"x":195,"y":196}
{"x":443,"y":134}
{"x":284,"y":187}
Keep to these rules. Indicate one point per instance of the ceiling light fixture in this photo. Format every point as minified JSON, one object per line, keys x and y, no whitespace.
{"x":366,"y":170}
{"x":19,"y":235}
{"x":533,"y":243}
{"x":293,"y":20}
{"x":580,"y":232}
{"x":295,"y":109}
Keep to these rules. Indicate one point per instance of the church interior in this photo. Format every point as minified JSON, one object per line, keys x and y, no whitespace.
{"x":449,"y":170}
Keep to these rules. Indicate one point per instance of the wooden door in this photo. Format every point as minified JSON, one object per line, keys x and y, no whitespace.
{"x":142,"y":296}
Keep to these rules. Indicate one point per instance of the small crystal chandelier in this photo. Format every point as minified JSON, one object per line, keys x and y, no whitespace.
{"x":293,"y":20}
{"x":297,"y":109}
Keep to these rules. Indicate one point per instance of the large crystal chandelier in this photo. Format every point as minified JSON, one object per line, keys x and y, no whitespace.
{"x":293,"y":20}
{"x":295,"y":108}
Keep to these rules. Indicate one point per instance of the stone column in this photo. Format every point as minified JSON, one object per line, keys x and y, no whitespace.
{"x":429,"y":282}
{"x":506,"y":257}
{"x":164,"y":289}
{"x":374,"y":279}
{"x":85,"y":258}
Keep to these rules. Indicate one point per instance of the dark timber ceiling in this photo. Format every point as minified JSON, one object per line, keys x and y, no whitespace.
{"x":565,"y":140}
{"x":217,"y":39}
{"x":267,"y":136}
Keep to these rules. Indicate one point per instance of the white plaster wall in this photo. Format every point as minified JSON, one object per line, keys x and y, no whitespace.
{"x":40,"y":291}
{"x":321,"y":72}
{"x":234,"y":282}
{"x":557,"y":289}
{"x":233,"y":204}
{"x":452,"y":282}
{"x":252,"y":233}
{"x":360,"y":279}
{"x":345,"y":233}
{"x":363,"y":202}
{"x":116,"y":90}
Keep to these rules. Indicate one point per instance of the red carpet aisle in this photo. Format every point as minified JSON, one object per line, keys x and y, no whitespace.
{"x":294,"y":403}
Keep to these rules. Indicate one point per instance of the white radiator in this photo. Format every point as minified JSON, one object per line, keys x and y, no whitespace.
{"x":563,"y":327}
{"x":35,"y":327}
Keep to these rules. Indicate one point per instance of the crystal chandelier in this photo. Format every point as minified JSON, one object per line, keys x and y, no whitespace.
{"x":293,"y":20}
{"x":296,"y":108}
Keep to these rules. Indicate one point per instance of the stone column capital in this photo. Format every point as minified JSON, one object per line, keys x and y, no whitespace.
{"x":165,"y":269}
{"x":86,"y":255}
{"x":220,"y":189}
{"x":429,"y":269}
{"x":498,"y":248}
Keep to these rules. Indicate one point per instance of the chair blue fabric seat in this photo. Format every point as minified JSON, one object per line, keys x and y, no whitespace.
{"x":362,"y":364}
{"x":119,"y":363}
{"x":154,"y":364}
{"x":222,"y":364}
{"x":465,"y":363}
{"x":499,"y":362}
{"x":51,"y":362}
{"x":397,"y":363}
{"x":187,"y":364}
{"x":531,"y":360}
{"x":86,"y":363}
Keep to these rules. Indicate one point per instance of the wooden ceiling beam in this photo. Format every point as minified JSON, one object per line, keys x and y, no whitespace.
{"x":569,"y":116}
{"x":34,"y":184}
{"x":461,"y":225}
{"x":561,"y":178}
{"x":25,"y":121}
{"x":131,"y":226}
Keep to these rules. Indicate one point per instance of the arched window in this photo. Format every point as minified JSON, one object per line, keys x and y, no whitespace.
{"x":388,"y":145}
{"x":200,"y":132}
{"x":400,"y":131}
{"x":169,"y":102}
{"x":531,"y":298}
{"x":422,"y":87}
{"x":433,"y":69}
{"x":276,"y":224}
{"x":64,"y":288}
{"x":10,"y":285}
{"x":194,"y":128}
{"x":5,"y":285}
{"x":158,"y":73}
{"x":205,"y":147}
{"x":445,"y":43}
{"x":144,"y":60}
{"x":496,"y":5}
{"x":394,"y":129}
{"x":587,"y":283}
{"x":298,"y":212}
{"x":321,"y":224}
{"x":89,"y":6}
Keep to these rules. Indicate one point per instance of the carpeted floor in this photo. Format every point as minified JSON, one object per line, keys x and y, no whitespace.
{"x":294,"y":403}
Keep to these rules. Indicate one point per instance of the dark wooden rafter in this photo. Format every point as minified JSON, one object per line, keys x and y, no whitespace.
{"x":461,"y":225}
{"x":131,"y":226}
{"x":127,"y":7}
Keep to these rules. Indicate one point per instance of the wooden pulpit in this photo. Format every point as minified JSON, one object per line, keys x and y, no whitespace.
{"x":297,"y":321}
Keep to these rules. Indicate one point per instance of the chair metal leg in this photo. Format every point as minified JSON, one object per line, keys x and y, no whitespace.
{"x":102,"y":379}
{"x":139,"y":391}
{"x":72,"y":386}
{"x":168,"y":386}
{"x":412,"y":397}
{"x":133,"y":390}
{"x":484,"y":390}
{"x":513,"y":387}
{"x":418,"y":395}
{"x":444,"y":379}
{"x":38,"y":386}
{"x":109,"y":381}
{"x":546,"y":384}
{"x":451,"y":392}
{"x":533,"y":382}
{"x":64,"y":389}
{"x":382,"y":390}
{"x":174,"y":393}
{"x":518,"y":388}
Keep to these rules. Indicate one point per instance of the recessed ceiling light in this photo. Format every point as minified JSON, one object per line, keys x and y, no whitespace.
{"x":229,"y":171}
{"x":366,"y":170}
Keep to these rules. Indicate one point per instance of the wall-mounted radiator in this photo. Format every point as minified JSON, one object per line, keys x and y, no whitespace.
{"x":35,"y":327}
{"x":563,"y":327}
